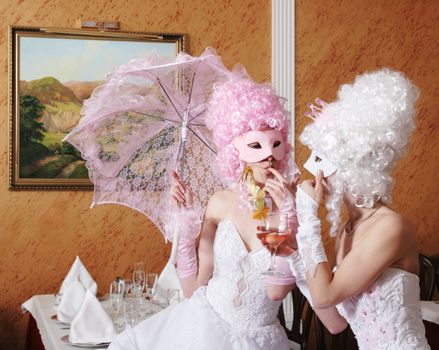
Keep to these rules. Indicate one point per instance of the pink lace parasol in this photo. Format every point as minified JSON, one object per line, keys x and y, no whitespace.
{"x":146,"y":120}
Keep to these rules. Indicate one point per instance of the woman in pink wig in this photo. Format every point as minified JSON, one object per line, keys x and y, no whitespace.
{"x":230,"y":304}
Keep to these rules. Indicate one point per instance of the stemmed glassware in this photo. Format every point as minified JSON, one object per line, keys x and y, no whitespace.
{"x":117,"y":291}
{"x":151,"y":285}
{"x":131,"y":311}
{"x":139,"y":266}
{"x":274,"y":233}
{"x":127,"y":299}
{"x":172,"y":296}
{"x":138,"y":284}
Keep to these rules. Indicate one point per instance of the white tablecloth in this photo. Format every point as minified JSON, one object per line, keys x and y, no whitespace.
{"x":42,"y":308}
{"x":430,"y":311}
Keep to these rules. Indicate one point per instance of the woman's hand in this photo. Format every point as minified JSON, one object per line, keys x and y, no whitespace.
{"x":276,"y":187}
{"x":180,"y":193}
{"x":315,"y":188}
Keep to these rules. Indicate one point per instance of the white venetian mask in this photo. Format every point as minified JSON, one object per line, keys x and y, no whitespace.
{"x":317,"y":162}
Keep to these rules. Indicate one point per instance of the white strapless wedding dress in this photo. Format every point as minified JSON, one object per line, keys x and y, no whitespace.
{"x":387,"y":315}
{"x":233,"y":312}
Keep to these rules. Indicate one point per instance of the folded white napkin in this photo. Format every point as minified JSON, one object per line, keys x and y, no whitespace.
{"x":91,"y":324}
{"x":168,"y":282}
{"x":71,"y":301}
{"x":78,"y":270}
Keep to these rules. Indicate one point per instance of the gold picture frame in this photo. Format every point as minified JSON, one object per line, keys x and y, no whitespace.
{"x":51,"y":71}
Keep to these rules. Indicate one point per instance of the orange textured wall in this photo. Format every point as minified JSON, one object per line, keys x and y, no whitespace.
{"x":42,"y":232}
{"x":336,"y":40}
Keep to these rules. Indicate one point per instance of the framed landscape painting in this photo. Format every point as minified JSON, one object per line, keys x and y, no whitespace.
{"x":51,"y":73}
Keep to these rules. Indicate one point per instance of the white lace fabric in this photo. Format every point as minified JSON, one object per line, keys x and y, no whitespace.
{"x":237,"y":289}
{"x":387,"y":315}
{"x":142,"y":180}
{"x":232,"y":312}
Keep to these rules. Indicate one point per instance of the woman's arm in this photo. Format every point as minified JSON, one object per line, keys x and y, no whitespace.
{"x":204,"y":250}
{"x":278,"y":292}
{"x":382,"y":246}
{"x":379,"y":248}
{"x":329,"y":316}
{"x":205,"y":260}
{"x":332,"y":320}
{"x":279,"y":287}
{"x":194,"y":257}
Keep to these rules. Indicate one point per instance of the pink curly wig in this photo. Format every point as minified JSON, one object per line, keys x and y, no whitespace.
{"x":240,"y":105}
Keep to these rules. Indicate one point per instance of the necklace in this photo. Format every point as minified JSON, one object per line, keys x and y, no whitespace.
{"x":348,"y":226}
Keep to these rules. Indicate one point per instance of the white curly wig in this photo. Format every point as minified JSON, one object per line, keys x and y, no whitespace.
{"x":363,"y":132}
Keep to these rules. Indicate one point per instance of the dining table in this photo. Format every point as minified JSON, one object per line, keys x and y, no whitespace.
{"x":430,"y":316}
{"x":45,"y":332}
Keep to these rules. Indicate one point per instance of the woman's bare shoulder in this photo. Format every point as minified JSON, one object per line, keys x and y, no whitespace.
{"x":220,"y":202}
{"x":222,"y":198}
{"x":391,"y":224}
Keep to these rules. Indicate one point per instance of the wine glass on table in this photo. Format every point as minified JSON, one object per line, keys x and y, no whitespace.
{"x":151,"y":290}
{"x":131,"y":311}
{"x":273,"y":234}
{"x":139,"y":266}
{"x":172,"y":296}
{"x":151,"y":285}
{"x":116,"y":299}
{"x":138,"y":284}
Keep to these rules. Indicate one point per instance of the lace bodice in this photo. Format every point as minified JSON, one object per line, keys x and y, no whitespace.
{"x":387,"y":315}
{"x":237,"y":290}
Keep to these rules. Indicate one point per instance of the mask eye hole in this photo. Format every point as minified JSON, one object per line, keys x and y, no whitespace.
{"x":255,"y":145}
{"x":317,"y":159}
{"x":277,"y":144}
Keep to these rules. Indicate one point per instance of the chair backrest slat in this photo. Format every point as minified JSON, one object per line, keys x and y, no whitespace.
{"x":428,"y":270}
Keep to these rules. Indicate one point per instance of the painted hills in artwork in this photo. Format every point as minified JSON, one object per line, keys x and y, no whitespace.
{"x":49,"y":157}
{"x":50,"y":109}
{"x":82,"y":89}
{"x":63,"y":102}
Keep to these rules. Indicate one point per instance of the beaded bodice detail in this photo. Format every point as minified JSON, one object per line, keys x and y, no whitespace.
{"x":387,"y":315}
{"x":237,"y":289}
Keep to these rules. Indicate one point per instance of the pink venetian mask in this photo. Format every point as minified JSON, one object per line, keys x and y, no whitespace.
{"x":255,"y":146}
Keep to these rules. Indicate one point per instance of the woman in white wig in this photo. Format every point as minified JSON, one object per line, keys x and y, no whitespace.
{"x":355,"y":142}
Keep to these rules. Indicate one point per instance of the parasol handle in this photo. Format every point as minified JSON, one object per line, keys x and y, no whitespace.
{"x":184,"y":124}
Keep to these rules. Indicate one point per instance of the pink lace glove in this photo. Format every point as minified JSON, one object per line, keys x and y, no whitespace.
{"x":282,"y":265}
{"x":309,"y":240}
{"x":183,"y":228}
